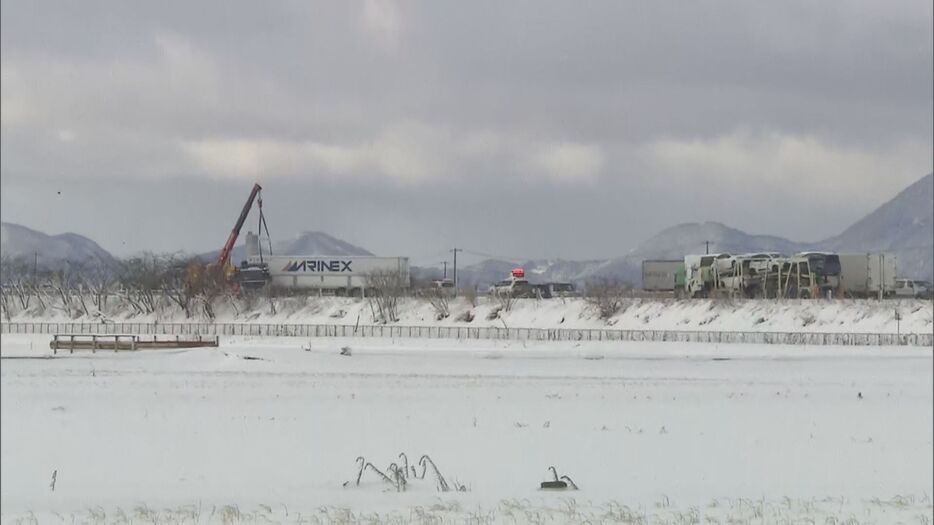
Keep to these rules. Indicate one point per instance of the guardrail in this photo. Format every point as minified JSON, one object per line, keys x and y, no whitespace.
{"x":466,"y":332}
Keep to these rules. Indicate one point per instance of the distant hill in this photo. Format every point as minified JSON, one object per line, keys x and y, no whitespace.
{"x":480,"y":274}
{"x":318,"y":243}
{"x":903,"y":225}
{"x":671,"y":243}
{"x":305,"y":243}
{"x":55,"y":252}
{"x":688,"y":238}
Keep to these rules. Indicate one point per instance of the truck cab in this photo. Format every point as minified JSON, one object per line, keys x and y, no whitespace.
{"x":253,"y":276}
{"x":701,"y":276}
{"x":516,"y":286}
{"x":443,"y":286}
{"x":825,"y":269}
{"x":512,"y":288}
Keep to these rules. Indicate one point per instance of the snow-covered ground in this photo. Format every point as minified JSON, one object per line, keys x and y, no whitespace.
{"x":269,"y":429}
{"x":840,"y":316}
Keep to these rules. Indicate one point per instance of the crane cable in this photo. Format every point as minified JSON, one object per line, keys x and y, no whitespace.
{"x":262,"y":226}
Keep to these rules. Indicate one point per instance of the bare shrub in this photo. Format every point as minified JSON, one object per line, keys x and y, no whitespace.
{"x":470,"y":294}
{"x":605,"y":297}
{"x":807,"y":319}
{"x":178,"y":284}
{"x":385,"y":290}
{"x":504,"y":299}
{"x":272,"y":296}
{"x":65,"y":290}
{"x":6,"y":304}
{"x":140,"y":281}
{"x":439,"y":299}
{"x":209,"y":297}
{"x":16,"y":279}
{"x":100,"y":282}
{"x":494,"y":313}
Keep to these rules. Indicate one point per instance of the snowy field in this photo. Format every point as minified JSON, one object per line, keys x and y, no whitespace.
{"x":269,"y":430}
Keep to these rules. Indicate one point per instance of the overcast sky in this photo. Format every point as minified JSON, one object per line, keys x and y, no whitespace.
{"x":532,"y":129}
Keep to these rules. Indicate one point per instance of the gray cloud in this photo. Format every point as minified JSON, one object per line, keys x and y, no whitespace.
{"x":532,"y":128}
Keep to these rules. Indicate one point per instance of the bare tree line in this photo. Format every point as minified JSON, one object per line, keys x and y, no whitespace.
{"x":155,"y":284}
{"x":143,"y":285}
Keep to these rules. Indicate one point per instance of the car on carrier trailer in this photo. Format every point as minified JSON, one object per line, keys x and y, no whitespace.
{"x":910,"y":288}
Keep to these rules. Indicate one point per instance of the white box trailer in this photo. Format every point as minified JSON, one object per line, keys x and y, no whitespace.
{"x":340,"y":274}
{"x":659,"y":275}
{"x":867,"y":274}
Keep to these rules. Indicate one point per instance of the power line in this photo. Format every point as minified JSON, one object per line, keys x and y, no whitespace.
{"x":494,"y":256}
{"x":429,"y":256}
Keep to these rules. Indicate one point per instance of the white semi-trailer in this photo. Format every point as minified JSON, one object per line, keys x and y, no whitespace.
{"x":867,"y":274}
{"x":660,"y":275}
{"x":339,"y":274}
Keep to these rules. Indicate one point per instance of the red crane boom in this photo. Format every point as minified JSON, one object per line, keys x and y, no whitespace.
{"x":232,"y":239}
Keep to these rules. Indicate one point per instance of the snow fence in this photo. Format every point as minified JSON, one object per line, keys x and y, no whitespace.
{"x":466,"y":332}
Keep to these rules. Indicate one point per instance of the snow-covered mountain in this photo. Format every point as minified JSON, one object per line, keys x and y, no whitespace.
{"x":903,"y":225}
{"x":318,"y":243}
{"x":305,"y":243}
{"x":675,"y":242}
{"x":55,"y":252}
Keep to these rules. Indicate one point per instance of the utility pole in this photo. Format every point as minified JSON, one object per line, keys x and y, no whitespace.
{"x":35,"y":267}
{"x":707,"y":247}
{"x":445,"y":263}
{"x":455,"y":250}
{"x":898,"y":328}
